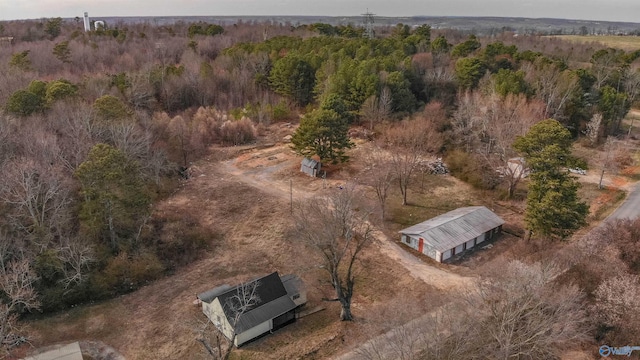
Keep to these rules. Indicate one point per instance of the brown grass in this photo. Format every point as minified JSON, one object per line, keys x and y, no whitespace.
{"x":428,"y":197}
{"x":157,"y":321}
{"x":253,"y":222}
{"x":621,"y":42}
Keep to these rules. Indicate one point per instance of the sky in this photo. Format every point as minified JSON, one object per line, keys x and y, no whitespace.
{"x":605,"y":10}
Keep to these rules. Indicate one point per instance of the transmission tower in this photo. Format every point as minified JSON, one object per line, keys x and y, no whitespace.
{"x":368,"y":24}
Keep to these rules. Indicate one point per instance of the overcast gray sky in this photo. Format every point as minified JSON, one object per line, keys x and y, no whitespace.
{"x":612,"y":10}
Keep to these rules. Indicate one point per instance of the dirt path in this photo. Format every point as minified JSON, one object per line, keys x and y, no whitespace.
{"x":441,"y":279}
{"x":593,"y":177}
{"x":264,"y":175}
{"x":260,"y":169}
{"x":261,"y":178}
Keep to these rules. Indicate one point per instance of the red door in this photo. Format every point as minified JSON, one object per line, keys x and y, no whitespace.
{"x":421,"y":245}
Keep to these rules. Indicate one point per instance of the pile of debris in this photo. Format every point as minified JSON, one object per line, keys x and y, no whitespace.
{"x":434,"y":167}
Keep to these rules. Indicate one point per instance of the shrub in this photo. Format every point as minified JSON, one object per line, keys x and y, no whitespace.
{"x":280,"y":112}
{"x":471,"y":170}
{"x":110,"y":108}
{"x":182,"y":242}
{"x":21,"y":60}
{"x":237,"y":132}
{"x":24,"y":103}
{"x":38,"y":87}
{"x":125,"y":273}
{"x":59,"y":89}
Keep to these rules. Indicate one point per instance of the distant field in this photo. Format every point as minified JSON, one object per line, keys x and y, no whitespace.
{"x":620,"y":42}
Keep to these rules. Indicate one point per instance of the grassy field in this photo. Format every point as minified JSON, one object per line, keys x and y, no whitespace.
{"x":628,"y":43}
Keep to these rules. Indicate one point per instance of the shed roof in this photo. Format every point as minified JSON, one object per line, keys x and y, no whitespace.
{"x":273,"y":301}
{"x":456,"y":227}
{"x":292,"y":283}
{"x":306,"y":162}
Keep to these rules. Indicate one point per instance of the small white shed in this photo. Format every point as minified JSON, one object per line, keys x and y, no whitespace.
{"x":310,"y":167}
{"x":452,"y":233}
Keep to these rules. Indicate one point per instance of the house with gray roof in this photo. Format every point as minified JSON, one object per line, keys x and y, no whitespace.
{"x":274,"y":304}
{"x":452,"y":233}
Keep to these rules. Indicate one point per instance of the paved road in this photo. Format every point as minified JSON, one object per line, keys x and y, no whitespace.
{"x":630,"y":208}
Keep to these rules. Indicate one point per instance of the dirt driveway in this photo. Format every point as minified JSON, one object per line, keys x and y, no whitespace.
{"x":275,"y":170}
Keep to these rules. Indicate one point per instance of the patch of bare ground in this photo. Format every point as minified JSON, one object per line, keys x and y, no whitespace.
{"x":252,"y":221}
{"x":268,"y":168}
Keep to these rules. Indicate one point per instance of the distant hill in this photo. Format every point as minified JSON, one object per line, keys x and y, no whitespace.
{"x":479,"y":25}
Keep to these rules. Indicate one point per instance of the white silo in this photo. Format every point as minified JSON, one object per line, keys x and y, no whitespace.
{"x":98,"y":24}
{"x":87,"y":24}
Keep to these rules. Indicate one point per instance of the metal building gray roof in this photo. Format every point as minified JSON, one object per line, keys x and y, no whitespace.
{"x":456,"y":227}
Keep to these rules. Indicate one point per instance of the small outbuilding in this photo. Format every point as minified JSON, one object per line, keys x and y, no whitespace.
{"x":310,"y":167}
{"x":518,"y":167}
{"x":276,"y":301}
{"x":452,"y":233}
{"x":6,"y":40}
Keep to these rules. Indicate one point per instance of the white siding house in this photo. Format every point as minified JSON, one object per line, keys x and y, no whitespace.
{"x":278,"y":298}
{"x":452,"y":233}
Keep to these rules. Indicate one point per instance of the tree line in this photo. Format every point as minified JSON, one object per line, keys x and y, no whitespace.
{"x":95,"y":126}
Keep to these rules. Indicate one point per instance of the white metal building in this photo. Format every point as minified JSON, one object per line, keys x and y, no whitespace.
{"x":452,"y":233}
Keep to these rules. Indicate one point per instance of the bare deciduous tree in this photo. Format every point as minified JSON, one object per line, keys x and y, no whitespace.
{"x":79,"y":132}
{"x":403,"y":342}
{"x":489,"y":124}
{"x":16,"y":283}
{"x":381,"y":175}
{"x":376,"y":109}
{"x":136,"y":142}
{"x":523,"y":315}
{"x":131,"y":139}
{"x":608,"y":161}
{"x":518,"y":310}
{"x":618,"y":305}
{"x":77,"y":256}
{"x":409,"y":328}
{"x":554,"y":87}
{"x":411,"y":140}
{"x":339,"y":233}
{"x":40,"y":199}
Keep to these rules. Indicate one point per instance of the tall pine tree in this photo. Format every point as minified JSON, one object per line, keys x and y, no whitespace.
{"x":115,"y":199}
{"x":323,"y":133}
{"x":553,"y":206}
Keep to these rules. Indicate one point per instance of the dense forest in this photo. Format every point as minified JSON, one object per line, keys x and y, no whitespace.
{"x":97,"y":126}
